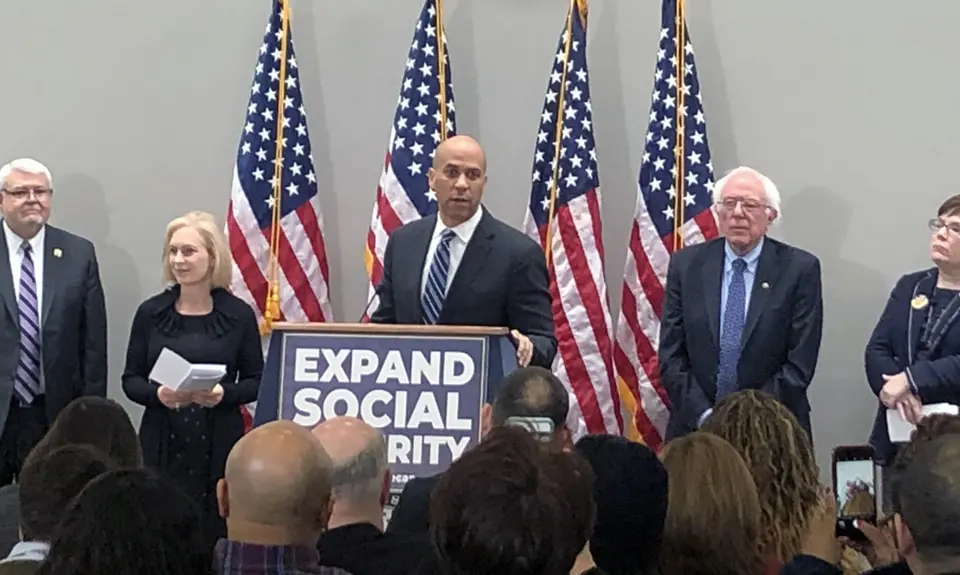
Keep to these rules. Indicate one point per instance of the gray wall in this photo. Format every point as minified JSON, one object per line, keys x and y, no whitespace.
{"x":848,"y":106}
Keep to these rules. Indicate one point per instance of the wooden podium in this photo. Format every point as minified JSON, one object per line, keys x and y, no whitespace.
{"x":422,"y":385}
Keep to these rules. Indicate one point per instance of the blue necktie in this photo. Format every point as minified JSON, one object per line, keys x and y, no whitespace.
{"x":27,"y":383}
{"x":436,"y":288}
{"x":733,"y":320}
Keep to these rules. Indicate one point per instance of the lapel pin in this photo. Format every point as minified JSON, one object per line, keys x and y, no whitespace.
{"x":765,"y":285}
{"x":919,"y":302}
{"x":57,"y":252}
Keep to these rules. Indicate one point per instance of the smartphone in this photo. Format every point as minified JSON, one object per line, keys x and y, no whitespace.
{"x":541,"y":427}
{"x":855,"y":486}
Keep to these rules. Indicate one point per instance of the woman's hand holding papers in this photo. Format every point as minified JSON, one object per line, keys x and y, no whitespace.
{"x":171,"y":398}
{"x":208,"y":398}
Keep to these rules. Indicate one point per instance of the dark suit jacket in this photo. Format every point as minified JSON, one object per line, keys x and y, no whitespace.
{"x":9,"y":518}
{"x":362,"y":549}
{"x":502,"y":281}
{"x":893,"y":348}
{"x":780,"y":341}
{"x":411,"y":515}
{"x":73,"y":318}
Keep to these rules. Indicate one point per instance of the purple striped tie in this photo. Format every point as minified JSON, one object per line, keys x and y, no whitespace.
{"x":27,"y":384}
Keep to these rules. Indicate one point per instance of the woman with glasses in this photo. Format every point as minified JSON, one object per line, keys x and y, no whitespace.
{"x":913,"y":356}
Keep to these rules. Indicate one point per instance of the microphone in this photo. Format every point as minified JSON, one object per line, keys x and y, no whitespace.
{"x":364,"y":318}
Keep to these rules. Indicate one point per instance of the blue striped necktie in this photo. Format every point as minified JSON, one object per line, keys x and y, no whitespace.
{"x":435,"y":289}
{"x":27,"y":384}
{"x":733,"y":320}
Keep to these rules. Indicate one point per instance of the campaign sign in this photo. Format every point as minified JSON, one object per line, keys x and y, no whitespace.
{"x":424,"y":394}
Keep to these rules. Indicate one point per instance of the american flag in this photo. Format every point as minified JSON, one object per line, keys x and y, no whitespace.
{"x":668,"y":209}
{"x":294,"y":248}
{"x":273,"y":160}
{"x":425,"y":104}
{"x":564,"y":217}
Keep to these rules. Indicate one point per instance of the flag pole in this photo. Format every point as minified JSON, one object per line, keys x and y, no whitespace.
{"x":271,"y":310}
{"x":558,"y":131}
{"x":441,"y":70}
{"x":678,"y":159}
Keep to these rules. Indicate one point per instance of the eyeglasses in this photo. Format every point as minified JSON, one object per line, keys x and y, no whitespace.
{"x":936,"y":224}
{"x":730,"y":204}
{"x":21,"y":194}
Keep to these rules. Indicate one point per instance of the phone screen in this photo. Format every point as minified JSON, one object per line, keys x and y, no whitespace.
{"x":855,"y":489}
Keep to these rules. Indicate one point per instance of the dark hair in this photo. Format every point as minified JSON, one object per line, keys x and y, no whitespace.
{"x":930,"y":499}
{"x":949,"y":207}
{"x":96,"y":421}
{"x":531,"y":392}
{"x":631,"y":497}
{"x":512,"y":506}
{"x":713,"y":512}
{"x":129,"y":522}
{"x":48,"y":484}
{"x":929,"y":428}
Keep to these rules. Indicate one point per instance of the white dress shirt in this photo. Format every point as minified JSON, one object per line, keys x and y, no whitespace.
{"x":458,"y":245}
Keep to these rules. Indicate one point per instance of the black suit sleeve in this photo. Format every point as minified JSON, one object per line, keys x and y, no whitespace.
{"x":94,"y":332}
{"x":411,"y":515}
{"x":687,"y":397}
{"x":529,"y":308}
{"x":806,"y":330}
{"x":249,"y":364}
{"x":136,"y":385}
{"x":879,"y":358}
{"x":385,"y":312}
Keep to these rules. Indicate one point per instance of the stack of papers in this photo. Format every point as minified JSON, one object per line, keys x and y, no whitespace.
{"x":900,"y":429}
{"x":172,"y":371}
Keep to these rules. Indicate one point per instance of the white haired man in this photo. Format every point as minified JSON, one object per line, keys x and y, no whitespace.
{"x":53,"y":319}
{"x":744,"y":311}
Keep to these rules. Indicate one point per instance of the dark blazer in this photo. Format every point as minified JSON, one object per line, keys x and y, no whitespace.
{"x":893,"y":348}
{"x":362,"y":549}
{"x":412,"y":513}
{"x":501,"y":281}
{"x":780,"y":341}
{"x":73,"y":318}
{"x":9,"y":518}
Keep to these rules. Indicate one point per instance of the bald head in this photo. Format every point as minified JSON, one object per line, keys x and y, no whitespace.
{"x":359,"y":458}
{"x":279,"y":475}
{"x":457,"y":178}
{"x":459,"y":145}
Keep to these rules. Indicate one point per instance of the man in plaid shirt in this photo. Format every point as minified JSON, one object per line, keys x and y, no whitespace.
{"x":275,"y":497}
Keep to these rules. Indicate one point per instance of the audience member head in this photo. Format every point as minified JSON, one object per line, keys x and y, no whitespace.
{"x":713,"y":513}
{"x":944,"y":247}
{"x":196,"y":253}
{"x":512,"y":505}
{"x":529,"y":392}
{"x":50,"y":481}
{"x":360,"y":477}
{"x":747,"y":203}
{"x":98,"y":422}
{"x":26,"y":193}
{"x":457,"y":177}
{"x":780,"y":456}
{"x":276,"y":489}
{"x":630,"y":492}
{"x":129,"y":522}
{"x":929,"y":504}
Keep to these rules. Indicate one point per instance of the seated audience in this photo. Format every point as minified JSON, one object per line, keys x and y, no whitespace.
{"x":713,"y":512}
{"x":88,"y":420}
{"x":360,"y":487}
{"x":514,"y":506}
{"x":630,"y":493}
{"x":48,"y":484}
{"x":129,"y":522}
{"x":275,"y":498}
{"x":526,"y":392}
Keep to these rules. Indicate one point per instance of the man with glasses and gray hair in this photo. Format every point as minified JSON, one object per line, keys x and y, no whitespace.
{"x":355,"y":540}
{"x":743,"y":311}
{"x":53,"y":319}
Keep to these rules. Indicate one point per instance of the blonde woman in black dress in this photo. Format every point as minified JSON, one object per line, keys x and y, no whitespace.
{"x":187,"y":435}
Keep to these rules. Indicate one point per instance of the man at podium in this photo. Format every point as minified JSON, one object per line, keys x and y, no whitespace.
{"x":465,"y":267}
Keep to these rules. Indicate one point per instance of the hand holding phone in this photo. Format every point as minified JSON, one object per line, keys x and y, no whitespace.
{"x":854,"y":483}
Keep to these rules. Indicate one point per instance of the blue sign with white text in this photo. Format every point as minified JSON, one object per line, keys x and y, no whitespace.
{"x":424,"y":394}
